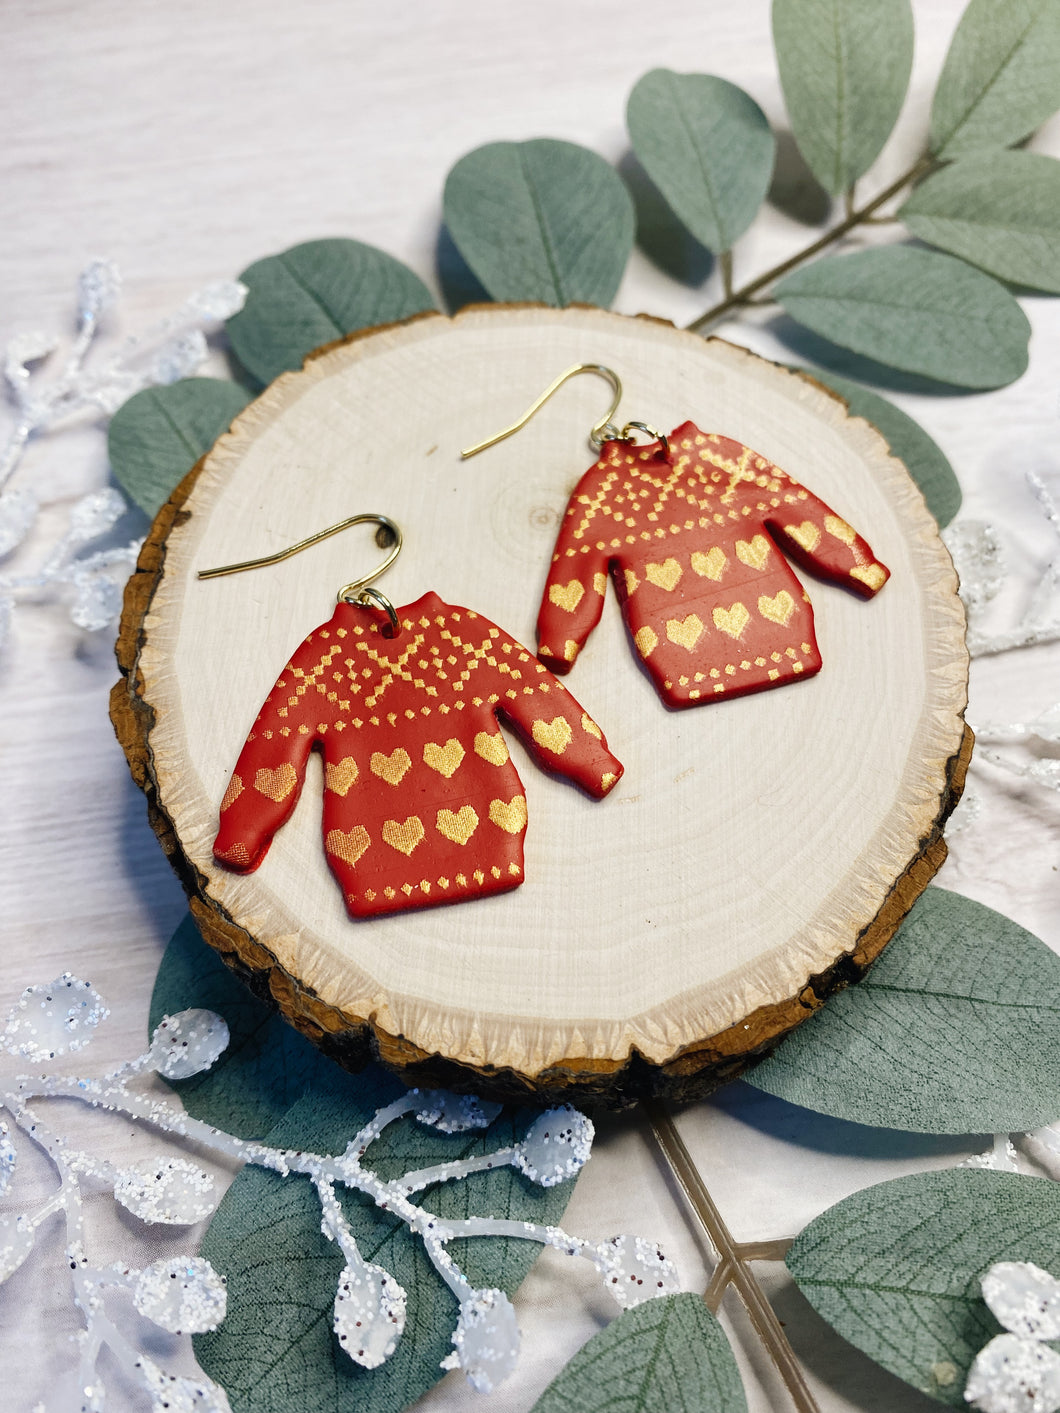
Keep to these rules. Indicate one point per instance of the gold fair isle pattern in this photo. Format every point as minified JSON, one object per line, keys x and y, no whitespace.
{"x":423,"y":803}
{"x":694,"y":540}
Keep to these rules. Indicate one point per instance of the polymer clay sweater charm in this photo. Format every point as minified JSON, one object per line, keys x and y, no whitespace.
{"x":695,"y":529}
{"x":422,"y":803}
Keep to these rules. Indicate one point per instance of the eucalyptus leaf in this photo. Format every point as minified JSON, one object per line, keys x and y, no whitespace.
{"x":668,"y":1353}
{"x":707,"y":146}
{"x":275,"y":1351}
{"x":157,"y":436}
{"x":923,"y":459}
{"x":916,"y":310}
{"x":955,"y":1029}
{"x":844,"y":68}
{"x":1001,"y":77}
{"x":541,"y":220}
{"x":267,"y":1066}
{"x":998,"y":210}
{"x":895,"y":1269}
{"x":315,"y":293}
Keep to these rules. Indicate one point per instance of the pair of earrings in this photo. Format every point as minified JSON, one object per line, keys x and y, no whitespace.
{"x":403,"y":702}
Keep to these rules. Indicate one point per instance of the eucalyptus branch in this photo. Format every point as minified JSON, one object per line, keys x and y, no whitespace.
{"x":732,"y":1258}
{"x":860,"y":216}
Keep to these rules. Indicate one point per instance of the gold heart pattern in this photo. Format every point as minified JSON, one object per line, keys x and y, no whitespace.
{"x":840,"y":530}
{"x":732,"y":620}
{"x":710,"y":565}
{"x":686,"y":632}
{"x":663,"y":576}
{"x":566,"y":596}
{"x":235,"y":789}
{"x":554,"y":735}
{"x":404,"y":835}
{"x":457,"y":826}
{"x":238,"y":856}
{"x":690,"y":514}
{"x":491,"y":747}
{"x":777,"y":609}
{"x":874,"y":575}
{"x":753,"y":553}
{"x":391,"y":768}
{"x":276,"y":784}
{"x":444,"y":759}
{"x":421,"y":801}
{"x":338,"y":778}
{"x":510,"y":817}
{"x":646,"y":640}
{"x":347,"y":846}
{"x":807,"y":535}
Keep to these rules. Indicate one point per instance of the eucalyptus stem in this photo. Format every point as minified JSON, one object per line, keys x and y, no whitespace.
{"x":725,"y":265}
{"x":737,"y":298}
{"x":732,"y":1257}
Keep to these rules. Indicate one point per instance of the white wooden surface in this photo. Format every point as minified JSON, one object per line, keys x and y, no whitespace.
{"x":185,"y":141}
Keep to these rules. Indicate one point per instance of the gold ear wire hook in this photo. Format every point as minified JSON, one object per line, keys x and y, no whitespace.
{"x":596,"y":436}
{"x":389,"y":533}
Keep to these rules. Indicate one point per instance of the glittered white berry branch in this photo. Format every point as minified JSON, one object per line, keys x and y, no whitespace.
{"x":1017,"y":1372}
{"x":187,"y":1294}
{"x":169,"y":350}
{"x":981,"y":563}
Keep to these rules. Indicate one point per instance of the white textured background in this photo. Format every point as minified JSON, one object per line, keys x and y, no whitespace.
{"x":185,"y":142}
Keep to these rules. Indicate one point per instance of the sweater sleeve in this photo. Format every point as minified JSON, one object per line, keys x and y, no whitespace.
{"x":559,"y":733}
{"x":577,"y":582}
{"x":812,"y":534}
{"x":270,"y":771}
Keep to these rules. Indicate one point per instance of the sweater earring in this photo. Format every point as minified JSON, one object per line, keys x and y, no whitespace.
{"x":422,"y":803}
{"x":696,"y":530}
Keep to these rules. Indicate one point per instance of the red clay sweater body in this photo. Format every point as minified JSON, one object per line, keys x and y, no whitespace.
{"x":696,"y":543}
{"x":422,"y":803}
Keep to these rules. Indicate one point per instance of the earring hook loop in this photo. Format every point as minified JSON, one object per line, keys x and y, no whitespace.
{"x":357,"y":591}
{"x":649,"y":431}
{"x":600,"y":431}
{"x":367,"y":595}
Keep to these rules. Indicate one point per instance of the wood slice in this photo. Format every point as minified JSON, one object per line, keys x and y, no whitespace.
{"x":757,"y":853}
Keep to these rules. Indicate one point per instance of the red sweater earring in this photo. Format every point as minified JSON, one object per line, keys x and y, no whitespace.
{"x":422,"y":803}
{"x":696,"y":530}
